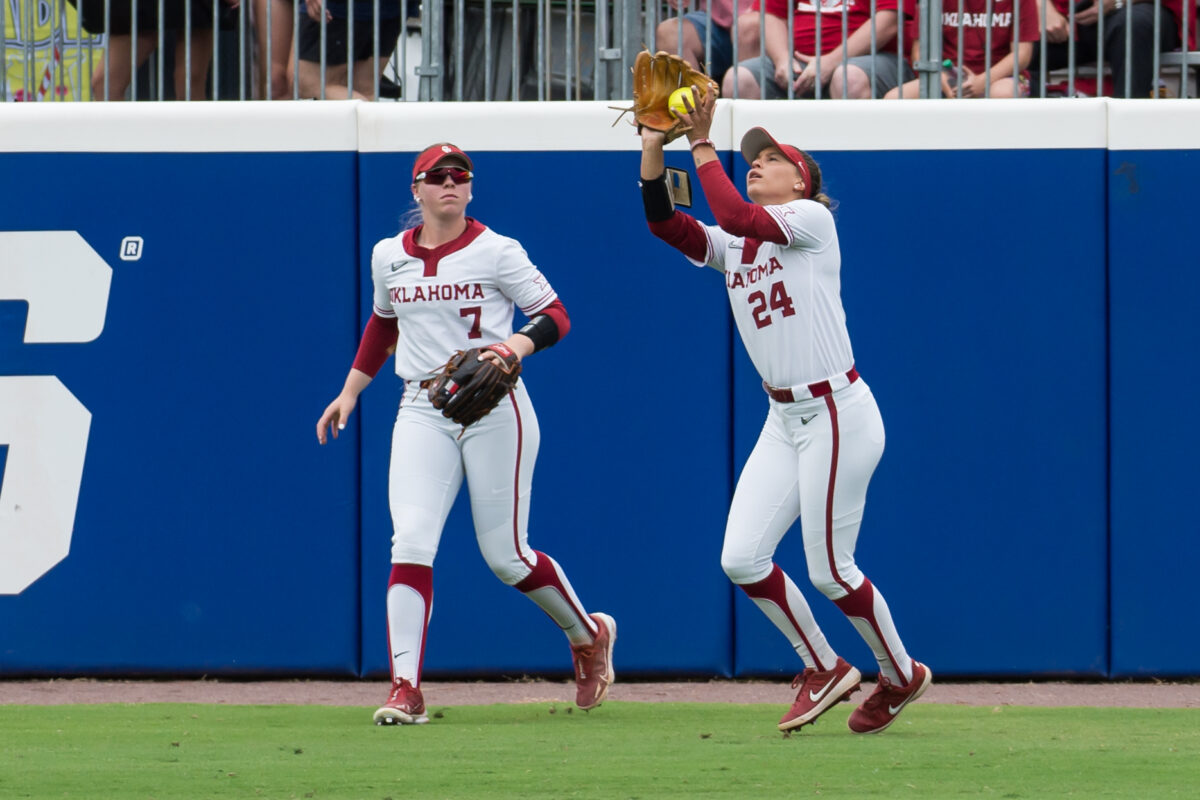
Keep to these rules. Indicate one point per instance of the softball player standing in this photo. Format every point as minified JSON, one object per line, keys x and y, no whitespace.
{"x":823,"y":435}
{"x":450,"y":284}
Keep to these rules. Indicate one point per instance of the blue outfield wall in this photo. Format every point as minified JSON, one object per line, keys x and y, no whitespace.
{"x":986,"y":249}
{"x":211,"y":536}
{"x":1153,"y":169}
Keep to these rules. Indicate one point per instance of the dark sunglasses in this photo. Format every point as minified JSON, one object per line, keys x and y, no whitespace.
{"x":438,"y":176}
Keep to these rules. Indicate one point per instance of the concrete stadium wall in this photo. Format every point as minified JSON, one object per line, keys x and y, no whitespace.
{"x":1016,"y":282}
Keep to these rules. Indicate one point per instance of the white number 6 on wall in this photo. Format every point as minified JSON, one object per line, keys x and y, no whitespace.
{"x":66,"y":285}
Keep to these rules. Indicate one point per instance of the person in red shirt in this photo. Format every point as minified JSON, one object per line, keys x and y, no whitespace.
{"x":844,"y":68}
{"x":1136,"y":65}
{"x":979,"y":74}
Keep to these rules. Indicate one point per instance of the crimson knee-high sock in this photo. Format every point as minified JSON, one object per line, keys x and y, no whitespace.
{"x":779,"y":598}
{"x":869,"y":613}
{"x":409,"y":606}
{"x":547,"y":586}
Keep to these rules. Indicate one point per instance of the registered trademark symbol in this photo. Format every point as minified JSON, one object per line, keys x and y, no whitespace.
{"x":131,"y":248}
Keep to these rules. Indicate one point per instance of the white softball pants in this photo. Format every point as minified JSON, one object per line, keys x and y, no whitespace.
{"x":791,"y":473}
{"x":814,"y":460}
{"x":429,"y":460}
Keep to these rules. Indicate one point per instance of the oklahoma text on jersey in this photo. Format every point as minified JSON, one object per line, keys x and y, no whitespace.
{"x":739,"y":280}
{"x":446,"y":291}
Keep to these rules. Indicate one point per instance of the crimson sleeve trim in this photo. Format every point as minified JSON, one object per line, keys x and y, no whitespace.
{"x":379,"y":336}
{"x":548,"y":326}
{"x":557,"y":312}
{"x":683,"y":233}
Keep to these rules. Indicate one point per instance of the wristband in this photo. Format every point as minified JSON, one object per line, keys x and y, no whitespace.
{"x":656,"y":199}
{"x":699,"y":142}
{"x":541,"y":330}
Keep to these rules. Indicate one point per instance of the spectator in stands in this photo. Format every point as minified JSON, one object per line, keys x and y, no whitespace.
{"x":844,"y":68}
{"x":688,"y":35}
{"x":119,"y":59}
{"x":1138,"y":63}
{"x":337,"y":34}
{"x":276,"y":76}
{"x":979,"y":75}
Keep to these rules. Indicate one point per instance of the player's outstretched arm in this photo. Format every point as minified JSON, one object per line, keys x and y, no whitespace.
{"x":339,"y":411}
{"x":652,"y":154}
{"x":672,"y":226}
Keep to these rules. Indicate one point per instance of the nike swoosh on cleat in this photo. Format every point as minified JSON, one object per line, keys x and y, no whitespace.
{"x":894,"y":710}
{"x":815,"y":696}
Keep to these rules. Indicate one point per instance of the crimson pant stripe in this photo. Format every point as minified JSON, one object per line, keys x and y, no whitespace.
{"x":516,"y":514}
{"x":861,"y":603}
{"x":773,"y":588}
{"x":833,"y":464}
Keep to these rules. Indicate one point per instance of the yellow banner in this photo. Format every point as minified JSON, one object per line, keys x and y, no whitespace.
{"x":47,"y":56}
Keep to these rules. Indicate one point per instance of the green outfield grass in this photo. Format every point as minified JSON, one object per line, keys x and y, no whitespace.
{"x":621,"y":750}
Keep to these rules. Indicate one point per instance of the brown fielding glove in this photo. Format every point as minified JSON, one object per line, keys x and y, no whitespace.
{"x":467,"y":388}
{"x":654,"y":78}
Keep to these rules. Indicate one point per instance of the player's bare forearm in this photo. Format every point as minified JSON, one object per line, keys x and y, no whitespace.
{"x":653,"y":164}
{"x":704,"y":154}
{"x":339,"y":411}
{"x":356,"y":381}
{"x":520,"y":344}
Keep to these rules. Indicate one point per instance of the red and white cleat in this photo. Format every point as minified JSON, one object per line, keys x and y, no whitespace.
{"x":818,"y":693}
{"x":404,"y":706}
{"x":888,"y":699}
{"x":593,"y":664}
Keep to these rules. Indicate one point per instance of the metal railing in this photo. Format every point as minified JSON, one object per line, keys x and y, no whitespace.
{"x":536,"y":50}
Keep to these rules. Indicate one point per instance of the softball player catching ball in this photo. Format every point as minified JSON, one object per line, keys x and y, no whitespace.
{"x":823,"y":435}
{"x":449,"y":284}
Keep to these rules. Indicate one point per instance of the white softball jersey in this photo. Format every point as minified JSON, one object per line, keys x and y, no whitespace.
{"x":786,"y":298}
{"x":453,"y":297}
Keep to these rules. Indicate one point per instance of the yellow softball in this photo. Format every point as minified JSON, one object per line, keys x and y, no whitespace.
{"x":675,"y":101}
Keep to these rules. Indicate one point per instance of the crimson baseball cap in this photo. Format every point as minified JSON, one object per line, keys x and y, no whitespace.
{"x":756,"y":139}
{"x":435,"y":154}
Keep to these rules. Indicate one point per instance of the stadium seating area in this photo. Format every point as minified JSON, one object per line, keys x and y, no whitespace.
{"x":476,"y":50}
